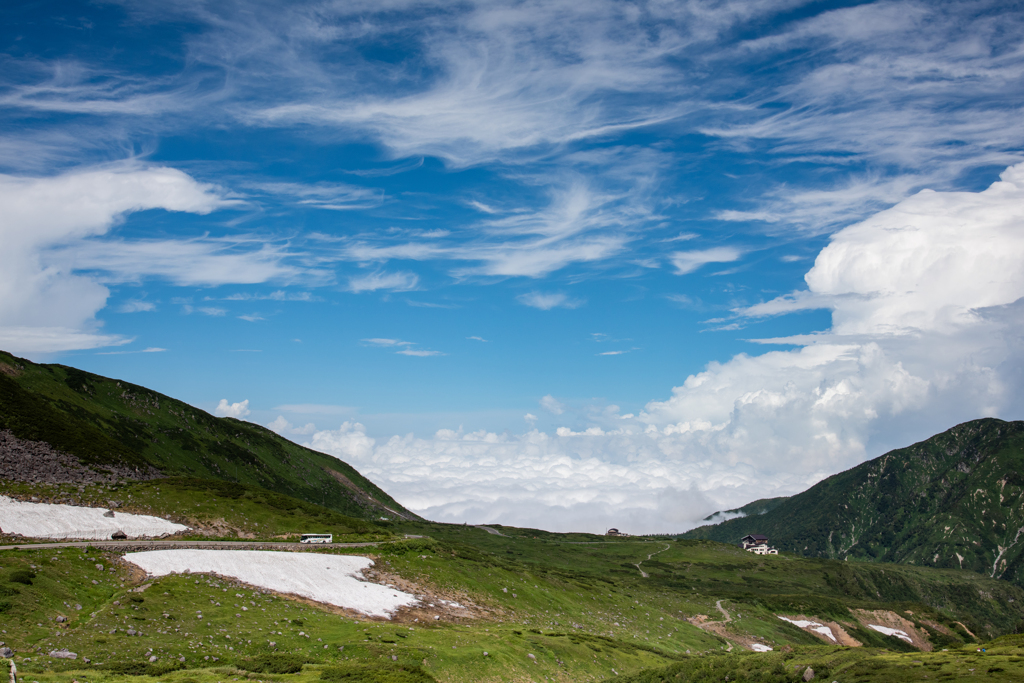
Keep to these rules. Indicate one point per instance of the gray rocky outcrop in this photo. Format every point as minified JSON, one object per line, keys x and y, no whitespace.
{"x":38,"y":462}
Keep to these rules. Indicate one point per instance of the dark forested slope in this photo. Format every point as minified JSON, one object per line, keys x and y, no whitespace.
{"x":954,"y":500}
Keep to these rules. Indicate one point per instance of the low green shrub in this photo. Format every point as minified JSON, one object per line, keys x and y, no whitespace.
{"x":143,"y":668}
{"x":274,"y":664}
{"x":376,"y":673}
{"x":24,"y":576}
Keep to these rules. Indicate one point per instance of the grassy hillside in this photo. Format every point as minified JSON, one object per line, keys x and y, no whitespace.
{"x":109,"y":424}
{"x":585,"y":607}
{"x":954,"y":500}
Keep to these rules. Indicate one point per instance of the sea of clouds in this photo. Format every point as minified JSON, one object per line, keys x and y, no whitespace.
{"x":926,"y":333}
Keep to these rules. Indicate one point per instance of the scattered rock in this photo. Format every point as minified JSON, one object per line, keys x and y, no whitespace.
{"x":63,"y":653}
{"x":39,"y":462}
{"x":61,"y":619}
{"x":808,"y":674}
{"x":6,"y":652}
{"x":152,"y":658}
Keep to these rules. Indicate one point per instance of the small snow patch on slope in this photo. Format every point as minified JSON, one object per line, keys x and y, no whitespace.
{"x":46,"y":520}
{"x":902,"y":635}
{"x":813,"y":626}
{"x":329,"y":579}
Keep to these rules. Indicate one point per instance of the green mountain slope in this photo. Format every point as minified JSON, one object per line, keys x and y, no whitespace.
{"x":953,"y":500}
{"x":116,"y":427}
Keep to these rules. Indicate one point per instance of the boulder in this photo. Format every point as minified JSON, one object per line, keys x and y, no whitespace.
{"x":6,"y":652}
{"x":63,"y":653}
{"x":808,"y":674}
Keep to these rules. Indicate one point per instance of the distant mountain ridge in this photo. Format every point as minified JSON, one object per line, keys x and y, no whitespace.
{"x":58,"y":423}
{"x":954,"y":500}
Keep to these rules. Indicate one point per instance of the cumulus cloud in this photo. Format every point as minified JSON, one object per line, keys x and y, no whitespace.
{"x":927,"y":264}
{"x":237,"y":410}
{"x":285,"y":428}
{"x":909,"y":354}
{"x":348,"y":442}
{"x":44,"y":305}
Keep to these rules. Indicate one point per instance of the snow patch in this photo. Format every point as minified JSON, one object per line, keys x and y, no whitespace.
{"x":758,"y":647}
{"x":812,"y":625}
{"x":902,"y":635}
{"x":330,"y":579}
{"x":47,"y":520}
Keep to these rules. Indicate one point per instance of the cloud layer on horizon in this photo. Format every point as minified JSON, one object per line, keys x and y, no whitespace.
{"x":906,"y":349}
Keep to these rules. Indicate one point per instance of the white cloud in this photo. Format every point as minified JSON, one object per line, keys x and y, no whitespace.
{"x":545,"y":301}
{"x":530,"y":418}
{"x":420,"y":353}
{"x":395,"y":282}
{"x":212,"y":311}
{"x":348,"y":442}
{"x":238,"y":410}
{"x":918,"y":267}
{"x":387,"y":342}
{"x":331,"y":196}
{"x":552,"y":405}
{"x":688,"y":261}
{"x":479,"y":339}
{"x":251,"y":317}
{"x":151,"y":349}
{"x":404,"y":348}
{"x":35,"y":340}
{"x":186,"y":262}
{"x":284,"y":427}
{"x":135,"y":306}
{"x":38,"y":289}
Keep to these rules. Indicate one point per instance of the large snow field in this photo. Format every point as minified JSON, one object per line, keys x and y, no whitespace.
{"x":47,"y":520}
{"x":330,"y":579}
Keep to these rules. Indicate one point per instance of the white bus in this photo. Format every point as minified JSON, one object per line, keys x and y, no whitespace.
{"x":316,"y":538}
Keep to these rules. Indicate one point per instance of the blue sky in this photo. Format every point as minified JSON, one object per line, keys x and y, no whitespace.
{"x":549,"y":263}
